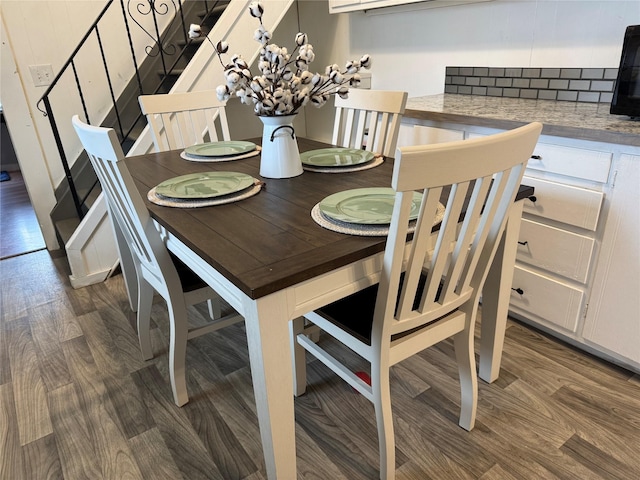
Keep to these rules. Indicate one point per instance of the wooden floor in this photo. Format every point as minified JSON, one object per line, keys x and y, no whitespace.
{"x":77,"y":401}
{"x":19,"y":229}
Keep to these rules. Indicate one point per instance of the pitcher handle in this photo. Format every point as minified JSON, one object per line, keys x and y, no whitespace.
{"x":273,"y":134}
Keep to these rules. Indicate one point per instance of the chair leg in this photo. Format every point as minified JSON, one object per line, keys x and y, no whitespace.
{"x":178,"y":351}
{"x":215,"y":308}
{"x":298,"y":354}
{"x":145,"y":301}
{"x":463,"y":343}
{"x":384,"y":419}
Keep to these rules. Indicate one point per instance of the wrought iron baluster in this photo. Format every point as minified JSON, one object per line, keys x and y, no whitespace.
{"x":63,"y":158}
{"x":106,"y":71}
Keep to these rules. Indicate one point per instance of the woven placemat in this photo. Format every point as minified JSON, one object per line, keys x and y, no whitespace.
{"x":203,"y":159}
{"x":153,"y":197}
{"x":377,"y":160}
{"x":358,"y":229}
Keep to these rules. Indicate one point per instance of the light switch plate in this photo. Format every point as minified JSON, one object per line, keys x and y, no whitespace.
{"x":42,"y":75}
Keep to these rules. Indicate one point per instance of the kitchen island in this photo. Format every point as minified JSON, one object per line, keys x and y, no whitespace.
{"x":577,"y":274}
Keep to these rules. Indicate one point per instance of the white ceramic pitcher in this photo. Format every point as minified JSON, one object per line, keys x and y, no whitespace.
{"x":280,"y":157}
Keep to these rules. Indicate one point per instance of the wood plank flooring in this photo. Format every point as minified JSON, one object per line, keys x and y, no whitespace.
{"x":77,"y":401}
{"x":19,"y":229}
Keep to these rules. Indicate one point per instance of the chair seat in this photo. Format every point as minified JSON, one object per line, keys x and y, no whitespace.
{"x":354,"y":314}
{"x":188,"y":279}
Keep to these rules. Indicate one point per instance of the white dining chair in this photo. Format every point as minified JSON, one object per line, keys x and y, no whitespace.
{"x":369,"y":119}
{"x":430,"y":285}
{"x":179,"y":120}
{"x":156,"y":268}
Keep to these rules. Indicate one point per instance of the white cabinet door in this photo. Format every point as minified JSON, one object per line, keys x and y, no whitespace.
{"x":613,"y":316}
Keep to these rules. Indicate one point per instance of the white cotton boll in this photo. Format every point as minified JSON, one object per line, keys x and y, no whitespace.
{"x":195,"y":31}
{"x":355,"y":80}
{"x":365,"y":61}
{"x":222,"y":92}
{"x":301,"y":38}
{"x":306,"y":77}
{"x":336,"y":77}
{"x":316,"y":79}
{"x":343,"y":92}
{"x":222,"y":47}
{"x":256,"y":9}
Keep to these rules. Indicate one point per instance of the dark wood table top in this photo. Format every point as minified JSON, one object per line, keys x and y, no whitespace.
{"x":267,"y":242}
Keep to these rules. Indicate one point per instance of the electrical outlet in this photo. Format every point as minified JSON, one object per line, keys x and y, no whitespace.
{"x":42,"y":75}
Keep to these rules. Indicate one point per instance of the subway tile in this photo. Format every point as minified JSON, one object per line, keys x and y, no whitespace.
{"x":457,"y":80}
{"x":504,"y":82}
{"x":496,"y":72}
{"x":579,"y":84}
{"x":589,"y":97}
{"x":511,"y":92}
{"x":567,"y":96}
{"x":480,"y":71}
{"x":512,"y":72}
{"x":539,"y":83}
{"x":559,"y":84}
{"x":528,"y":93}
{"x":531,"y":72}
{"x":593,"y":73}
{"x":471,"y":81}
{"x":602,"y":85}
{"x":550,"y":73}
{"x":452,"y":71}
{"x":610,"y":73}
{"x":547,"y":94}
{"x":570,"y":72}
{"x":467,"y":71}
{"x":463,"y":89}
{"x":487,"y":82}
{"x":478,"y":90}
{"x":606,"y":97}
{"x":450,"y":89}
{"x":520,"y":83}
{"x":494,"y":92}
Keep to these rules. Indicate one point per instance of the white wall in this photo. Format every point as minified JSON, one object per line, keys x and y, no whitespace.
{"x":410,"y":50}
{"x":46,"y":32}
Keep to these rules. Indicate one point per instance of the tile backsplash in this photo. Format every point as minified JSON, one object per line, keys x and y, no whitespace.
{"x":590,"y":85}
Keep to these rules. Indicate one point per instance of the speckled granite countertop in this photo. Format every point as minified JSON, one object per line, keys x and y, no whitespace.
{"x":585,"y":121}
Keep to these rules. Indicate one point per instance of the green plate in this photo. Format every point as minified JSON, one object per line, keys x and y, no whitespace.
{"x":336,"y":157}
{"x":204,"y":185}
{"x":365,"y":206}
{"x":220,"y":149}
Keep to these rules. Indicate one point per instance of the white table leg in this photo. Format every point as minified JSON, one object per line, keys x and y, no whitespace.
{"x":495,"y":297}
{"x":267,"y":327}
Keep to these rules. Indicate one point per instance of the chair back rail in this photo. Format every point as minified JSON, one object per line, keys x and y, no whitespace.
{"x":178,"y":120}
{"x":369,"y":118}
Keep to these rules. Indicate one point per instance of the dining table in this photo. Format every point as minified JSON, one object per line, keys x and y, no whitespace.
{"x":272,"y":262}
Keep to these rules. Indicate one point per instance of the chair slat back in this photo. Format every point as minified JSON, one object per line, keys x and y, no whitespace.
{"x":179,"y":120}
{"x":444,"y":270}
{"x":125,"y":204}
{"x":369,"y":118}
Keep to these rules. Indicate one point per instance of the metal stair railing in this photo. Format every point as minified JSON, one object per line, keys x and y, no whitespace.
{"x":162,"y":47}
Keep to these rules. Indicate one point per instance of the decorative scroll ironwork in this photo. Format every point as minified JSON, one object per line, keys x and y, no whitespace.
{"x":154,"y":8}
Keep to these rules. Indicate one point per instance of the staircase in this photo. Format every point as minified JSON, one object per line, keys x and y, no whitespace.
{"x":87,"y":233}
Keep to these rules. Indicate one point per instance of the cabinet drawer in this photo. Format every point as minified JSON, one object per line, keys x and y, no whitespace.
{"x":573,"y":162}
{"x":555,"y":250}
{"x":564,"y":203}
{"x":548,"y":298}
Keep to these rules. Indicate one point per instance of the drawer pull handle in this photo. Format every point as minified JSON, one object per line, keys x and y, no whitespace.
{"x":536,"y":157}
{"x":519,"y":291}
{"x":533,"y":198}
{"x":523,"y":243}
